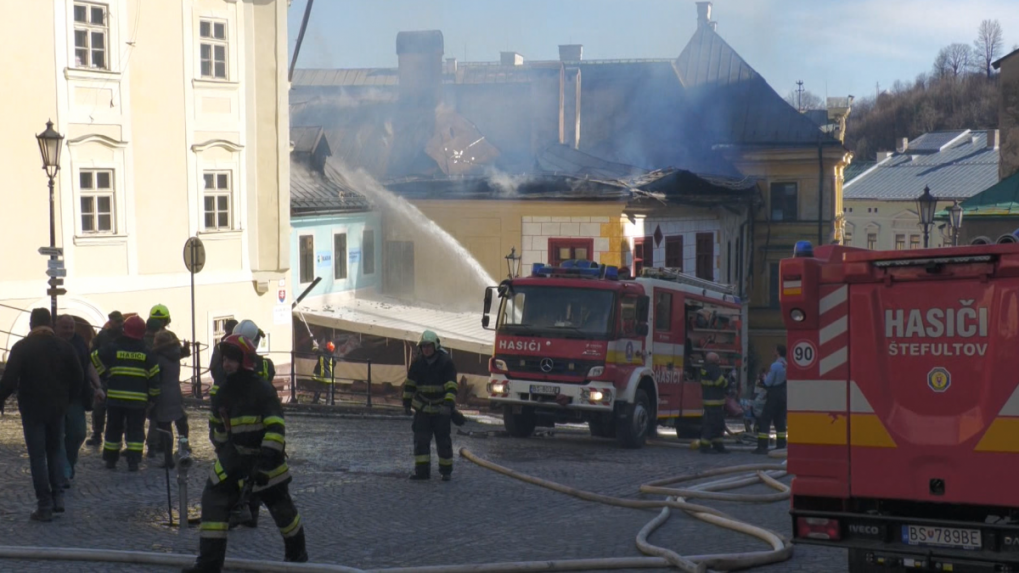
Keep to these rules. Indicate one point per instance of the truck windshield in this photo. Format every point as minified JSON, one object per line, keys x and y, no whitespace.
{"x":558,"y":309}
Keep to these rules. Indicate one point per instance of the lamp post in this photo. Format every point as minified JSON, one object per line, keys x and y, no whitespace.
{"x":513,"y":263}
{"x":925,"y":206}
{"x":955,"y":219}
{"x":49,"y":146}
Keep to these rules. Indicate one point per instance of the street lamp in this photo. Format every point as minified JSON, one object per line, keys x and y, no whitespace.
{"x":513,"y":263}
{"x":49,"y":146}
{"x":955,"y":219}
{"x":925,"y":206}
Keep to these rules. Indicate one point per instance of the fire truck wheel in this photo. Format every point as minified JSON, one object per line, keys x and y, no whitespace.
{"x":632,"y":428}
{"x":602,"y":426}
{"x":519,"y":425}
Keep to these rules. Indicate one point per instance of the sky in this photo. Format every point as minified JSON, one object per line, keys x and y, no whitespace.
{"x":836,"y":48}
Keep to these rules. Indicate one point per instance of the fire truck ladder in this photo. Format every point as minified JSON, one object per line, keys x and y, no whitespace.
{"x":677,"y":276}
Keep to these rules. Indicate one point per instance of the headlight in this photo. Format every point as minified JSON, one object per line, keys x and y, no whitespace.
{"x":500,"y":365}
{"x":797,"y":315}
{"x":596,"y":371}
{"x":597,"y":395}
{"x":496,"y":387}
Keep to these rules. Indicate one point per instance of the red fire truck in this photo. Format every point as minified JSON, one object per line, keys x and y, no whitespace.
{"x":577,"y":343}
{"x":903,"y":386}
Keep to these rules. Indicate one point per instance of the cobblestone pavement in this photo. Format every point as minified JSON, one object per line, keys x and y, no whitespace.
{"x":360,"y":510}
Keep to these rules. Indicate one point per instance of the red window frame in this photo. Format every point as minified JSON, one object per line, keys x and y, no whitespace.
{"x":572,"y":244}
{"x":674,"y":252}
{"x":643,"y":254}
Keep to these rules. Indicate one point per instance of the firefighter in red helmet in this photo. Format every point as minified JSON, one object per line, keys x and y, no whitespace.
{"x":247,"y":429}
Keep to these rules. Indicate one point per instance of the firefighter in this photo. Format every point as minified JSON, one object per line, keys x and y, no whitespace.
{"x":323,"y":373}
{"x":247,"y":429}
{"x":774,"y":405}
{"x":133,"y":388}
{"x":713,"y":390}
{"x":430,"y":390}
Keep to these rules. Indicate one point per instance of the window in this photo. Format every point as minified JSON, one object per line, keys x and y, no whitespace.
{"x":307,"y":245}
{"x":368,"y":252}
{"x":728,"y":262}
{"x":217,"y":201}
{"x":900,"y":242}
{"x":213,"y":49}
{"x":90,"y":33}
{"x":847,"y":238}
{"x":872,"y":241}
{"x":663,"y":311}
{"x":643,"y":254}
{"x":219,"y":327}
{"x":783,"y":202}
{"x":706,"y":256}
{"x":914,"y":241}
{"x":560,"y":250}
{"x":773,"y":285}
{"x":95,"y":187}
{"x":340,"y":256}
{"x":674,"y":252}
{"x":628,"y":316}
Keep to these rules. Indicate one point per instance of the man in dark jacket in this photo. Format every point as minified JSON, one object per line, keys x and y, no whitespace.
{"x":74,"y":421}
{"x":430,"y":390}
{"x":216,"y":362}
{"x":110,"y":332}
{"x":713,"y":390}
{"x":45,"y":372}
{"x":169,"y":408}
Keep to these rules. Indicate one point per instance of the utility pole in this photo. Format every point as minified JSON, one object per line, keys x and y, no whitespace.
{"x":799,"y":96}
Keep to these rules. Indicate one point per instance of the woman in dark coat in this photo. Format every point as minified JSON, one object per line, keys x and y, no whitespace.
{"x":170,"y":405}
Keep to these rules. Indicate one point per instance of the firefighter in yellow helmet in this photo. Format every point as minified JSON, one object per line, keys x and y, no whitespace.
{"x":430,"y":390}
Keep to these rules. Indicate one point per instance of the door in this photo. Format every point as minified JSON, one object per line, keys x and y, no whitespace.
{"x":667,"y":349}
{"x":398,"y":278}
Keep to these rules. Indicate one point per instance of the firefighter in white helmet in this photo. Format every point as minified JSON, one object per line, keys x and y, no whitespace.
{"x":430,"y":390}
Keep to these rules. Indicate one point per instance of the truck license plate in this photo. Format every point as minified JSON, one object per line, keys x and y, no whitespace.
{"x":542,"y":389}
{"x":941,"y":536}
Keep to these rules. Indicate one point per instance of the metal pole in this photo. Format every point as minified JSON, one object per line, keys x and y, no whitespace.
{"x":926,"y":235}
{"x":53,"y":245}
{"x":369,"y":383}
{"x":300,"y":39}
{"x":196,"y":381}
{"x":332,"y":381}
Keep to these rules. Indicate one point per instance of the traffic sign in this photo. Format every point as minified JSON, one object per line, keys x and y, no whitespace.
{"x":55,"y":264}
{"x":52,"y":272}
{"x":56,"y":292}
{"x":194,"y":255}
{"x":51,"y":251}
{"x":55,"y":282}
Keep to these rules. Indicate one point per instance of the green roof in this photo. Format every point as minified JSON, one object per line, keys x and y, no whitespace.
{"x":998,"y":200}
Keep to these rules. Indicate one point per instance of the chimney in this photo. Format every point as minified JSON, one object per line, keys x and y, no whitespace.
{"x":704,"y":15}
{"x":901,"y":144}
{"x":420,"y":67}
{"x":993,"y":139}
{"x":511,"y":59}
{"x":451,"y":66}
{"x":571,"y":52}
{"x":882,"y":155}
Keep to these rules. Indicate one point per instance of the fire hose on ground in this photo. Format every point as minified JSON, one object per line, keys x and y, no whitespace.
{"x":656,"y":557}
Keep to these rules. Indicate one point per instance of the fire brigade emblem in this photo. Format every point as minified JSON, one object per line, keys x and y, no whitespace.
{"x":629,"y":352}
{"x":939,"y":379}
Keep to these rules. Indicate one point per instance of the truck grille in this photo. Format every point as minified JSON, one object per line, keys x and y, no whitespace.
{"x":541,"y":365}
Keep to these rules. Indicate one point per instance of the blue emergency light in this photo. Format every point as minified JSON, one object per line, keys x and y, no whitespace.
{"x":803,"y":249}
{"x":575,"y":268}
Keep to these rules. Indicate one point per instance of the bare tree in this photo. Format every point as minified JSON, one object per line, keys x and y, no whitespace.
{"x":952,"y":61}
{"x":804,"y":100}
{"x":988,"y":45}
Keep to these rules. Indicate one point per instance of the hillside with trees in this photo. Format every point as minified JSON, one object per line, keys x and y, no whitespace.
{"x":959,"y":92}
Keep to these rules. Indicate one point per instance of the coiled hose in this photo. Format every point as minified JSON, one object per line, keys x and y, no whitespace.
{"x":656,"y":557}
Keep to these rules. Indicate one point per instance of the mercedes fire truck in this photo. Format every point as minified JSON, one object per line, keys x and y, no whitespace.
{"x":579,"y":343}
{"x":903,"y":385}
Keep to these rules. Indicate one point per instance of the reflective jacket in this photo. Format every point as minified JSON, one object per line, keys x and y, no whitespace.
{"x":324,"y":369}
{"x":132,"y":373}
{"x":430,"y":386}
{"x":265,"y":369}
{"x":713,"y":385}
{"x":247,"y":429}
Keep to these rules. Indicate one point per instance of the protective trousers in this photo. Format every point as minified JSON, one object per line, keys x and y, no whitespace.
{"x":128,"y":423}
{"x":425,"y":426}
{"x":217,"y":502}
{"x":774,"y":413}
{"x":712,"y":428}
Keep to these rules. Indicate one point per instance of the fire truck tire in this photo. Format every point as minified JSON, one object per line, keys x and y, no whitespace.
{"x":633,"y":427}
{"x":602,"y":426}
{"x":519,"y":425}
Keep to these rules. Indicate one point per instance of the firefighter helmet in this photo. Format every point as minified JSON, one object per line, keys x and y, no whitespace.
{"x":241,"y":349}
{"x":429,"y":337}
{"x":134,"y":327}
{"x":330,"y":346}
{"x":160,"y":311}
{"x":247,"y":329}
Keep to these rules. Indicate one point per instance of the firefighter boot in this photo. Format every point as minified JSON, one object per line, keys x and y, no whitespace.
{"x":762,"y":445}
{"x":705,"y":447}
{"x":211,"y":554}
{"x":780,"y":442}
{"x":719,"y":447}
{"x":294,"y":549}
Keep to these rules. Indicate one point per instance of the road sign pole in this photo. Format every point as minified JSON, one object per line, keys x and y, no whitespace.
{"x":194,"y":260}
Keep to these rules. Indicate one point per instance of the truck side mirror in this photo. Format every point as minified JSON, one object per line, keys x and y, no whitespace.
{"x":642,"y":329}
{"x":643,"y":304}
{"x":488,"y":300}
{"x":484,"y":321}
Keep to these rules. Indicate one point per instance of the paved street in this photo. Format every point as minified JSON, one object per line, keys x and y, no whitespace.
{"x":360,"y":510}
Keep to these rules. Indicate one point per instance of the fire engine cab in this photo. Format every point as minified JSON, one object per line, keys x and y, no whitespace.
{"x":580,"y":343}
{"x":903,"y":386}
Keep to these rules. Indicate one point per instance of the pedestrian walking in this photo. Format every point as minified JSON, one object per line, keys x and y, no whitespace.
{"x":713,"y":391}
{"x":133,"y":386}
{"x":111,"y":331}
{"x":169,"y":409}
{"x":430,"y":391}
{"x":75,"y":427}
{"x":774,"y":405}
{"x":45,"y":372}
{"x":248,"y":432}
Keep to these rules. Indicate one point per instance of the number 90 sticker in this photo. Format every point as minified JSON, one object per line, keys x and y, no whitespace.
{"x":804,"y":354}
